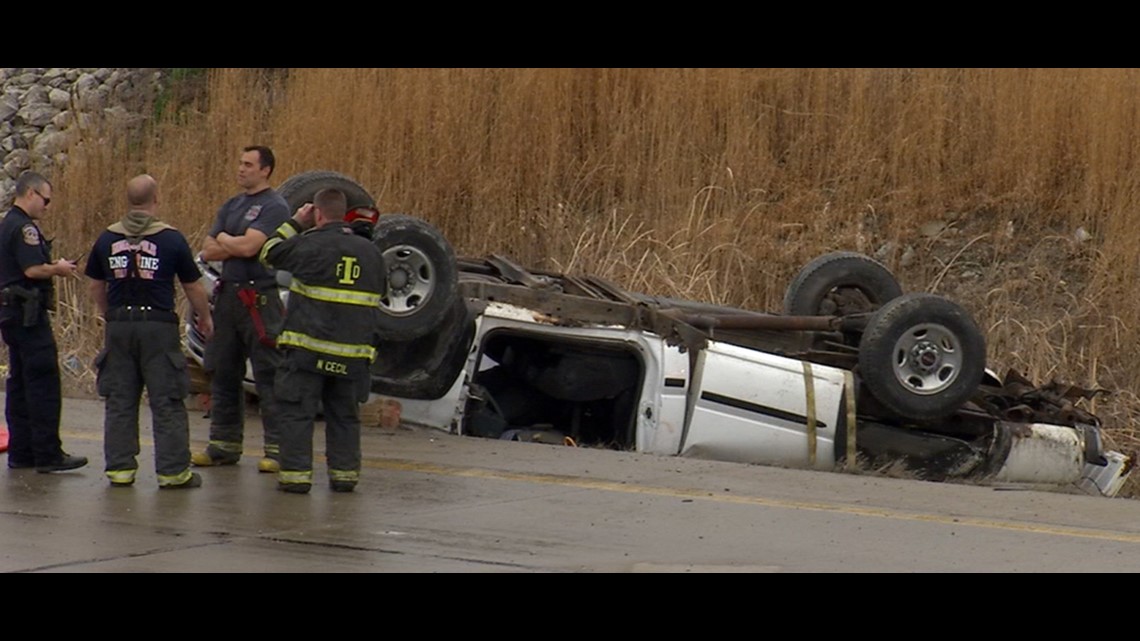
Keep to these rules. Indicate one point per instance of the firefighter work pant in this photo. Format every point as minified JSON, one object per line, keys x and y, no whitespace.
{"x":33,"y":403}
{"x":300,"y":393}
{"x":146,"y":354}
{"x":237,"y":338}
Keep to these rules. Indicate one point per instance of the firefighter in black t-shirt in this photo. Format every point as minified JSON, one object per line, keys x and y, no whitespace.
{"x":132,"y":268}
{"x":248,"y":313}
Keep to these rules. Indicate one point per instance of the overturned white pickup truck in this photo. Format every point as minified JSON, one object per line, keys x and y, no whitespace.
{"x":851,"y":365}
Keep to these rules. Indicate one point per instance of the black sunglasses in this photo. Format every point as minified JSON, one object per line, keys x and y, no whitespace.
{"x":47,"y":201}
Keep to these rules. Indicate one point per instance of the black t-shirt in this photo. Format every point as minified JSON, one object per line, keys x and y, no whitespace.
{"x":158,"y":260}
{"x":263,"y":211}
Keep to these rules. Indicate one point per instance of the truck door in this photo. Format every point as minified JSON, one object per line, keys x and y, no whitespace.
{"x":754,"y":407}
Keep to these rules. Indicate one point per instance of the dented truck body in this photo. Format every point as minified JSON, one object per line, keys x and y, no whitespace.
{"x":696,"y":396}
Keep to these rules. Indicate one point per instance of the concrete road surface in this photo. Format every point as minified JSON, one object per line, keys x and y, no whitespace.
{"x":431,"y":502}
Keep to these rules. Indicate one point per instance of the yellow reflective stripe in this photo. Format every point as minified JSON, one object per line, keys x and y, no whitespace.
{"x":346,"y":350}
{"x":287,"y":230}
{"x":121,"y":476}
{"x":292,"y":476}
{"x":227,"y":446}
{"x":333,"y":295}
{"x":176,"y":479}
{"x":269,"y":244}
{"x":344,"y":475}
{"x":272,"y":449}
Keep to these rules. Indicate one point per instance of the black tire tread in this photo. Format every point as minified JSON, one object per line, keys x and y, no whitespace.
{"x":836,"y":269}
{"x":426,"y":367}
{"x":300,"y":189}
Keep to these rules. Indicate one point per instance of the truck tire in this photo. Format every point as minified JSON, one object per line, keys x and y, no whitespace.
{"x":423,"y":277}
{"x":300,"y":189}
{"x":422,"y":274}
{"x":426,"y":367}
{"x":922,"y":356}
{"x":838,"y":284}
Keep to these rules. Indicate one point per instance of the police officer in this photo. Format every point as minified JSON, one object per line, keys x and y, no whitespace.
{"x":328,"y":340}
{"x":132,"y":268}
{"x":247,"y":313}
{"x":33,"y":402}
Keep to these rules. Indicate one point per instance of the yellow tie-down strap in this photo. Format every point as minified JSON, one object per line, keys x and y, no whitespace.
{"x":809,"y":393}
{"x":849,"y":389}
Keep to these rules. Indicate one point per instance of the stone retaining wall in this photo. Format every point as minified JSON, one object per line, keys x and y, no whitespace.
{"x":42,"y":112}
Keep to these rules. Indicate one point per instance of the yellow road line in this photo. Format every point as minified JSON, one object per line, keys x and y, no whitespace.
{"x":704,"y":495}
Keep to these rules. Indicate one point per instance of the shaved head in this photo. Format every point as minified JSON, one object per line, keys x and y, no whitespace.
{"x":142,"y":190}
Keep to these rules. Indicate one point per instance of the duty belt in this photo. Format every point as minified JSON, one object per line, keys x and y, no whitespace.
{"x":140,"y":313}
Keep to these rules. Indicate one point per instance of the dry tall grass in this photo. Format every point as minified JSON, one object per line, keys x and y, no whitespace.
{"x":710,"y":184}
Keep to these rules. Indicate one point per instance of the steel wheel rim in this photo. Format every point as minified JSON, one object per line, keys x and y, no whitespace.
{"x":411,"y":280}
{"x":927,"y":359}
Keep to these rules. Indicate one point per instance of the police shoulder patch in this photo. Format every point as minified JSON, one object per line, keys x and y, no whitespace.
{"x":31,"y":234}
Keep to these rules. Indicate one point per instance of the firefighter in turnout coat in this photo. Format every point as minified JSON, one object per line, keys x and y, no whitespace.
{"x":328,"y":339}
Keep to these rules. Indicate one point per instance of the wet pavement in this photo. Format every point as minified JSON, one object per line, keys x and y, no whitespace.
{"x":433,"y":502}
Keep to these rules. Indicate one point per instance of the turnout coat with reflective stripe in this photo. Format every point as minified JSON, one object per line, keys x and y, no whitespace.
{"x":334,"y":300}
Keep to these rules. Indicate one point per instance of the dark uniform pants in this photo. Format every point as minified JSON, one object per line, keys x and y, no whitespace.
{"x":138,"y":354}
{"x":235,"y":340}
{"x":300,"y":393}
{"x":33,"y":401}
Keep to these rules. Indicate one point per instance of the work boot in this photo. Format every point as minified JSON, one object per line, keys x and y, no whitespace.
{"x":295,"y":488}
{"x":206,"y":459}
{"x":121,"y":478}
{"x":195,"y":480}
{"x":342,"y":486}
{"x":268,"y":465}
{"x":64,"y":463}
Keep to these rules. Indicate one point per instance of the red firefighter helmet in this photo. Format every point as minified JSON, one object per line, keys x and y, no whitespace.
{"x":362,"y":213}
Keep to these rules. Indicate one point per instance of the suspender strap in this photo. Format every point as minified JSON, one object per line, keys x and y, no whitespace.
{"x":248,"y":296}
